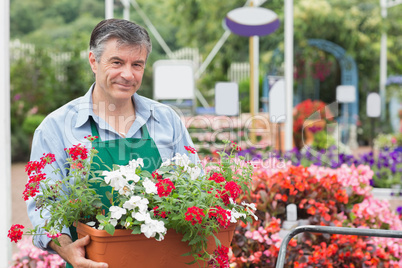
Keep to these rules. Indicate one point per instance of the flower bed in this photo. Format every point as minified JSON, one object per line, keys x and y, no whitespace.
{"x":324,"y":196}
{"x":30,"y":256}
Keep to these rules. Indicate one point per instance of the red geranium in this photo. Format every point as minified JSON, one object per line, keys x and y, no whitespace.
{"x":194,"y":215}
{"x":15,"y":232}
{"x":165,"y":187}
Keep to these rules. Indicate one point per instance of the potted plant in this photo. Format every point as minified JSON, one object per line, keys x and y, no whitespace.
{"x":309,"y":117}
{"x":178,"y":198}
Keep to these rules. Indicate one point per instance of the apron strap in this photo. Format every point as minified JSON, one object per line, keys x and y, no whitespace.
{"x":94,"y":129}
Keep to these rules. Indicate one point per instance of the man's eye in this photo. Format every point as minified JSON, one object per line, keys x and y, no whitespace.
{"x":116,"y":63}
{"x":138,"y":66}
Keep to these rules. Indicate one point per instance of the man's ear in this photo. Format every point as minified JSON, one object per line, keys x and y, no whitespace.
{"x":92,"y":62}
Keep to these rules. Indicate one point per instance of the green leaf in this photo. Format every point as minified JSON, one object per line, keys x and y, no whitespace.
{"x":217,"y":241}
{"x":109,"y":195}
{"x":136,"y":230}
{"x":56,"y":241}
{"x":145,"y":174}
{"x":100,"y":217}
{"x":110,"y":229}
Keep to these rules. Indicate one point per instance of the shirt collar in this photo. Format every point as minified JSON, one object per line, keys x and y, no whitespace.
{"x":144,"y":108}
{"x":85,"y":108}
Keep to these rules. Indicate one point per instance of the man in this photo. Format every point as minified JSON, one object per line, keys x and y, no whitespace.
{"x":128,"y":125}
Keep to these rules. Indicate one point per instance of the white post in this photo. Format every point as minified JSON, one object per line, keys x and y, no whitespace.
{"x":5,"y":136}
{"x":289,"y":74}
{"x":383,"y":59}
{"x":109,"y":6}
{"x":256,"y":74}
{"x":126,"y":10}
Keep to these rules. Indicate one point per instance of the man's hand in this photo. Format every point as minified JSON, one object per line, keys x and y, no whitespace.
{"x":74,"y":252}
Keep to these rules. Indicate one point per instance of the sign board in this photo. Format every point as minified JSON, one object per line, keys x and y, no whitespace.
{"x":226,"y":98}
{"x":277,"y":101}
{"x":173,"y":79}
{"x":252,"y":21}
{"x":346,"y":93}
{"x":373,"y":107}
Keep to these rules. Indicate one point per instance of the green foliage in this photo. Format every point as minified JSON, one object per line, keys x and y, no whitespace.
{"x":31,"y":122}
{"x":244,"y":94}
{"x":322,"y":140}
{"x":65,"y":25}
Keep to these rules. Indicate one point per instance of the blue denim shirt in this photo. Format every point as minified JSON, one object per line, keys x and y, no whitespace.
{"x":69,"y":124}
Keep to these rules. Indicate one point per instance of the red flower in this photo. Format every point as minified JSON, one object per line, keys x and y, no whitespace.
{"x":221,"y":215}
{"x":158,"y":213}
{"x":233,"y":188}
{"x":34,"y":166}
{"x":165,"y":187}
{"x":31,"y":189}
{"x":47,"y":159}
{"x":235,"y":146}
{"x":15,"y":232}
{"x":78,"y":151}
{"x":221,"y":258}
{"x":91,"y":138}
{"x":217,"y":177}
{"x":194,"y":215}
{"x":157,"y":176}
{"x":37,"y":177}
{"x":189,"y":149}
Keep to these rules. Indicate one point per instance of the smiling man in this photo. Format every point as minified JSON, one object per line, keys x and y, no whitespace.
{"x":128,"y":125}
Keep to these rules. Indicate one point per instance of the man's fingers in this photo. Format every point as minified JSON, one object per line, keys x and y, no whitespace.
{"x":83,"y":241}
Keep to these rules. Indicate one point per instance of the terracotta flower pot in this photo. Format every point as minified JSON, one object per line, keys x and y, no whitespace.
{"x":124,"y":249}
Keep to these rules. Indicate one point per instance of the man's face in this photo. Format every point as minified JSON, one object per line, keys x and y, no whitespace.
{"x":119,"y":71}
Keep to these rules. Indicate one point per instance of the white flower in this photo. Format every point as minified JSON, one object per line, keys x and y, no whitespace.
{"x":113,"y":222}
{"x":117,"y":212}
{"x":91,"y":223}
{"x":114,"y":179}
{"x":136,"y":201}
{"x":140,"y":216}
{"x":151,"y":227}
{"x":166,"y":163}
{"x":150,"y":187}
{"x":129,"y":173}
{"x":250,"y":208}
{"x":135,"y":163}
{"x":181,"y":160}
{"x":132,"y":203}
{"x":194,"y":172}
{"x":126,"y":190}
{"x":235,"y":215}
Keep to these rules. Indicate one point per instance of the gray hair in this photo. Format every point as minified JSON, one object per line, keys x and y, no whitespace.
{"x":126,"y":33}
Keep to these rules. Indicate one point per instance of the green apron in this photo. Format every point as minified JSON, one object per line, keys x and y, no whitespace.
{"x":120,"y":152}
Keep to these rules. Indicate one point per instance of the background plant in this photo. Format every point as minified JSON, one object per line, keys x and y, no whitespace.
{"x":349,"y":205}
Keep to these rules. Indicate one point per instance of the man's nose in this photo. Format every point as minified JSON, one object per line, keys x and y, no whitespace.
{"x":127,"y":72}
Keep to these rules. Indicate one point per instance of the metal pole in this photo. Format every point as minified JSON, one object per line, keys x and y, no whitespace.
{"x":152,"y":28}
{"x":212,"y":54}
{"x":383,"y":59}
{"x":252,"y":87}
{"x":5,"y":136}
{"x":109,"y":6}
{"x":253,"y":55}
{"x":331,"y":230}
{"x":289,"y":74}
